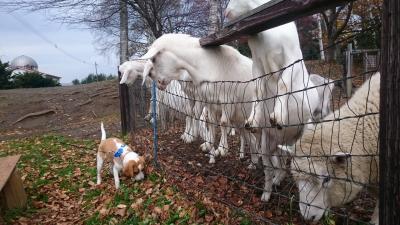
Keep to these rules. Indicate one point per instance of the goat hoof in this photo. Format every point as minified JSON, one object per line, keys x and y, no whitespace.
{"x":212,"y":160}
{"x":278,"y":177}
{"x":187,"y":138}
{"x":272,"y":121}
{"x":251,"y":166}
{"x":247,"y":126}
{"x":221,"y":151}
{"x":265,"y":196}
{"x":241,"y":155}
{"x":205,"y":147}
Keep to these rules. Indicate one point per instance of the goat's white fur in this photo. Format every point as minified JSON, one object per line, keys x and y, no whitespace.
{"x":353,"y":132}
{"x":273,"y":50}
{"x":175,"y":100}
{"x":172,"y":53}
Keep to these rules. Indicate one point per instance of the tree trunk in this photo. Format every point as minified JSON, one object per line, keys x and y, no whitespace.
{"x":125,"y":109}
{"x":320,"y":41}
{"x":213,"y":18}
{"x":389,"y":135}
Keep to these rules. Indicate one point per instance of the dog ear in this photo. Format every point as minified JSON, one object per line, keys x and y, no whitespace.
{"x":128,"y":169}
{"x":141,"y":162}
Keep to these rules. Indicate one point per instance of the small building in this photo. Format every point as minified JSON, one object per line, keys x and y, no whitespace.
{"x":23,"y":64}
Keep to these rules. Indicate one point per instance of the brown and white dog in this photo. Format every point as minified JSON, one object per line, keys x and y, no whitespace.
{"x":122,"y":158}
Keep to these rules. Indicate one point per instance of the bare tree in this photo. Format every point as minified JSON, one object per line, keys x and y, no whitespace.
{"x":335,"y":24}
{"x":148,"y":19}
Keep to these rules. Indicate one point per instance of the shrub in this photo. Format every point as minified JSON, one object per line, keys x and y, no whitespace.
{"x":33,"y":80}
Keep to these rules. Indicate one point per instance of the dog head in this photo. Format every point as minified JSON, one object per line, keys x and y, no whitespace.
{"x":134,"y":167}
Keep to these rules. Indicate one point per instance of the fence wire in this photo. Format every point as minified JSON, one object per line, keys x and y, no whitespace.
{"x":331,"y":168}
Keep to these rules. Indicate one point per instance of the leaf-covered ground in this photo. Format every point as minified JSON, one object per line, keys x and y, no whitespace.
{"x":59,"y":176}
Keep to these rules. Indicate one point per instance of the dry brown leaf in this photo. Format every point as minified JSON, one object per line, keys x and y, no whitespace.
{"x":149,"y":191}
{"x":166,"y":207}
{"x":104,"y":212}
{"x":157,"y":210}
{"x":120,"y":212}
{"x":209,"y":218}
{"x":269,"y":214}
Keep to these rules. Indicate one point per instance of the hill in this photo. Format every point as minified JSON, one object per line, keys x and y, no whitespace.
{"x":74,"y":111}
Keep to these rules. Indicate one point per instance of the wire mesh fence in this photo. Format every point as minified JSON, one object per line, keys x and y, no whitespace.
{"x":286,"y":147}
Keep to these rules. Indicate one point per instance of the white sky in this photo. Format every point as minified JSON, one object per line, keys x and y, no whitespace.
{"x":17,"y":39}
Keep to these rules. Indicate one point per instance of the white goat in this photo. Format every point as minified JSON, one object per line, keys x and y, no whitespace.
{"x":210,"y":69}
{"x":173,"y":99}
{"x":332,"y":163}
{"x":272,"y":51}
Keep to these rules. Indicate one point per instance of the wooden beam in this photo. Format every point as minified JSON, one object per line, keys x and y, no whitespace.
{"x":389,"y":132}
{"x":267,"y":16}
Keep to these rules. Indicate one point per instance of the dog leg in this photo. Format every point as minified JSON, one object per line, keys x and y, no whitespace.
{"x":116,"y":177}
{"x":100,"y":162}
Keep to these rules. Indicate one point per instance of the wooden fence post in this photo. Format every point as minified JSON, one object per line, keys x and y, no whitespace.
{"x":389,"y":135}
{"x":124,"y":106}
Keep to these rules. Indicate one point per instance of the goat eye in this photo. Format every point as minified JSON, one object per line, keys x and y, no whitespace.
{"x":326,"y":180}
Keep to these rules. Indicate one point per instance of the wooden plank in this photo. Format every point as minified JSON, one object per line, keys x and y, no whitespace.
{"x":267,"y":16}
{"x":7,"y":165}
{"x":13,"y":193}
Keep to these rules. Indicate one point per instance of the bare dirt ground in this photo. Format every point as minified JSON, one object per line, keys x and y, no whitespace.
{"x":74,"y":111}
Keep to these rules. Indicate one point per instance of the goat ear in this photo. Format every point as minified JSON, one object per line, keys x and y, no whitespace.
{"x":124,"y":77}
{"x":150,"y":54}
{"x":122,"y":69}
{"x":287,"y":148}
{"x":341,"y":158}
{"x":146,"y":71}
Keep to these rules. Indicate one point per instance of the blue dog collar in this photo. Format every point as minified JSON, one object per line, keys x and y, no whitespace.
{"x":119,"y":152}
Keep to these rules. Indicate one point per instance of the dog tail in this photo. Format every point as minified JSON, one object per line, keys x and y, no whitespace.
{"x":103,"y":132}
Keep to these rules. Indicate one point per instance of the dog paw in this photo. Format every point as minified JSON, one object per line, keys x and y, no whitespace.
{"x":265,"y":196}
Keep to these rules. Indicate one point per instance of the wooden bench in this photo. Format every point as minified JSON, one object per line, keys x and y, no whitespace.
{"x":12,"y":193}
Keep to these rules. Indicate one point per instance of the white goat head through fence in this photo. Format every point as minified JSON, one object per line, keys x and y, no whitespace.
{"x":163,"y":67}
{"x":131,"y":70}
{"x":333,"y":162}
{"x":326,"y":186}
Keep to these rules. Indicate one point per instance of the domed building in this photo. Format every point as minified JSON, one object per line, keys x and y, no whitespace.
{"x":23,"y":64}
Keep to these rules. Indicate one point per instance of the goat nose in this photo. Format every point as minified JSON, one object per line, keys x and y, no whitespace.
{"x":312,"y":218}
{"x":247,"y":125}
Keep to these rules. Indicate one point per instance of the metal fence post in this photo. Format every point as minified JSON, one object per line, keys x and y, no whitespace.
{"x":154,"y":115}
{"x":349,"y":62}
